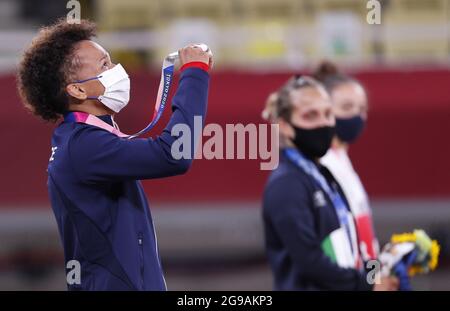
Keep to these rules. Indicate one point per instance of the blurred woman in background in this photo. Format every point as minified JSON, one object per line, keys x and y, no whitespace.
{"x":350,"y":110}
{"x":310,"y":234}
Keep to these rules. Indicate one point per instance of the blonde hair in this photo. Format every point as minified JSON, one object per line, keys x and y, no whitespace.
{"x":279,"y":104}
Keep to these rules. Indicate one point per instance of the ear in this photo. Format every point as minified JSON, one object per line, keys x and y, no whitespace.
{"x":77,"y":91}
{"x":286,"y":129}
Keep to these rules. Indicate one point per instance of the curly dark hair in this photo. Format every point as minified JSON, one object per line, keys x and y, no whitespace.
{"x":48,"y":66}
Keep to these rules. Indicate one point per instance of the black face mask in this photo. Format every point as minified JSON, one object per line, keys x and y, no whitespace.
{"x":313,"y":143}
{"x":348,"y":130}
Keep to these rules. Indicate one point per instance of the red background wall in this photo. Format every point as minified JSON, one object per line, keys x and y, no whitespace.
{"x":404,"y":151}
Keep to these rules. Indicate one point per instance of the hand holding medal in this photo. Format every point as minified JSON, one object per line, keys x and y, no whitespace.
{"x":191,"y":53}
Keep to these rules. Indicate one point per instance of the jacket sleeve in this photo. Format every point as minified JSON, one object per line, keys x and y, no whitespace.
{"x":287,"y":207}
{"x":97,"y":155}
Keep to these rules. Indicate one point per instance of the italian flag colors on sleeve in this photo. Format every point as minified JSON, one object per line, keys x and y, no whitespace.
{"x":336,"y":246}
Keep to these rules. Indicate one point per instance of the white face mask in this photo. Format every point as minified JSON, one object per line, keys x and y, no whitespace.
{"x":117,"y":88}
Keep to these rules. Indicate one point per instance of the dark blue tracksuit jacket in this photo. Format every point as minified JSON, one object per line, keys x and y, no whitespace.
{"x":101,"y":209}
{"x":295,"y":225}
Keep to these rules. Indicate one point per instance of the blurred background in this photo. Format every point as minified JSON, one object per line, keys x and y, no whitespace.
{"x":209,"y":221}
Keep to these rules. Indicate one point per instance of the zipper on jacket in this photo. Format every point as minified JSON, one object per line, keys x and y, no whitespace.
{"x":141,"y":256}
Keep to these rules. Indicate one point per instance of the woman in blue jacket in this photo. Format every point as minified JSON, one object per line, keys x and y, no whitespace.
{"x":93,"y":173}
{"x":310,"y":233}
